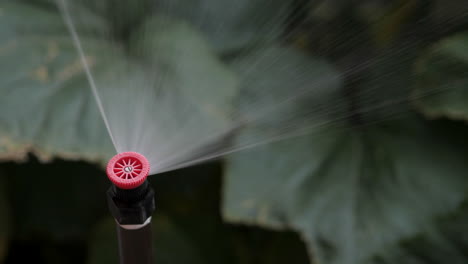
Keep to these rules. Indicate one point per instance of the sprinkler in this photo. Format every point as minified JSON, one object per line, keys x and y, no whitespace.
{"x":131,"y":202}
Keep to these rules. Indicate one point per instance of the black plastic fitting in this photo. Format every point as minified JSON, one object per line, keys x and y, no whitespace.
{"x":133,"y":206}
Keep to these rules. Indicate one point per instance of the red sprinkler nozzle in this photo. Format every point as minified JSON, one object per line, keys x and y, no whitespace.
{"x":128,"y":170}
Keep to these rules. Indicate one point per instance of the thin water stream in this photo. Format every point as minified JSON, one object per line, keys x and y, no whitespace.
{"x":177,"y":100}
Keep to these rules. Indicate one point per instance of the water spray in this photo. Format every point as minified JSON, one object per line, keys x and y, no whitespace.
{"x":131,"y":202}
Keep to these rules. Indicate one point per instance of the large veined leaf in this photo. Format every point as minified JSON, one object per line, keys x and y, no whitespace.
{"x":350,"y":192}
{"x":145,"y":98}
{"x":46,"y":105}
{"x":442,"y":84}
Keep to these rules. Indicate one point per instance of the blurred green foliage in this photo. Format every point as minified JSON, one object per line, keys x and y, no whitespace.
{"x":355,"y":192}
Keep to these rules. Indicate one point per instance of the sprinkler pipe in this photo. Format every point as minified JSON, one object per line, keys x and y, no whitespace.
{"x":131,"y":203}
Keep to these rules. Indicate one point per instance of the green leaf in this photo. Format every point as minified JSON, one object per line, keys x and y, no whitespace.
{"x":232,"y":25}
{"x":168,"y":68}
{"x":442,"y":80}
{"x":46,"y":104}
{"x":4,"y":219}
{"x":352,"y":194}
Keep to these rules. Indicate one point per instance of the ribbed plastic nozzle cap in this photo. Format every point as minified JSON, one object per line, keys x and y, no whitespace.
{"x":128,"y":170}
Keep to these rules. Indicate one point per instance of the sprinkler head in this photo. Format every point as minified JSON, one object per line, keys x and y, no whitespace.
{"x":128,"y":170}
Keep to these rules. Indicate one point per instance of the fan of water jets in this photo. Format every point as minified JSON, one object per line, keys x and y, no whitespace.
{"x":178,"y":95}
